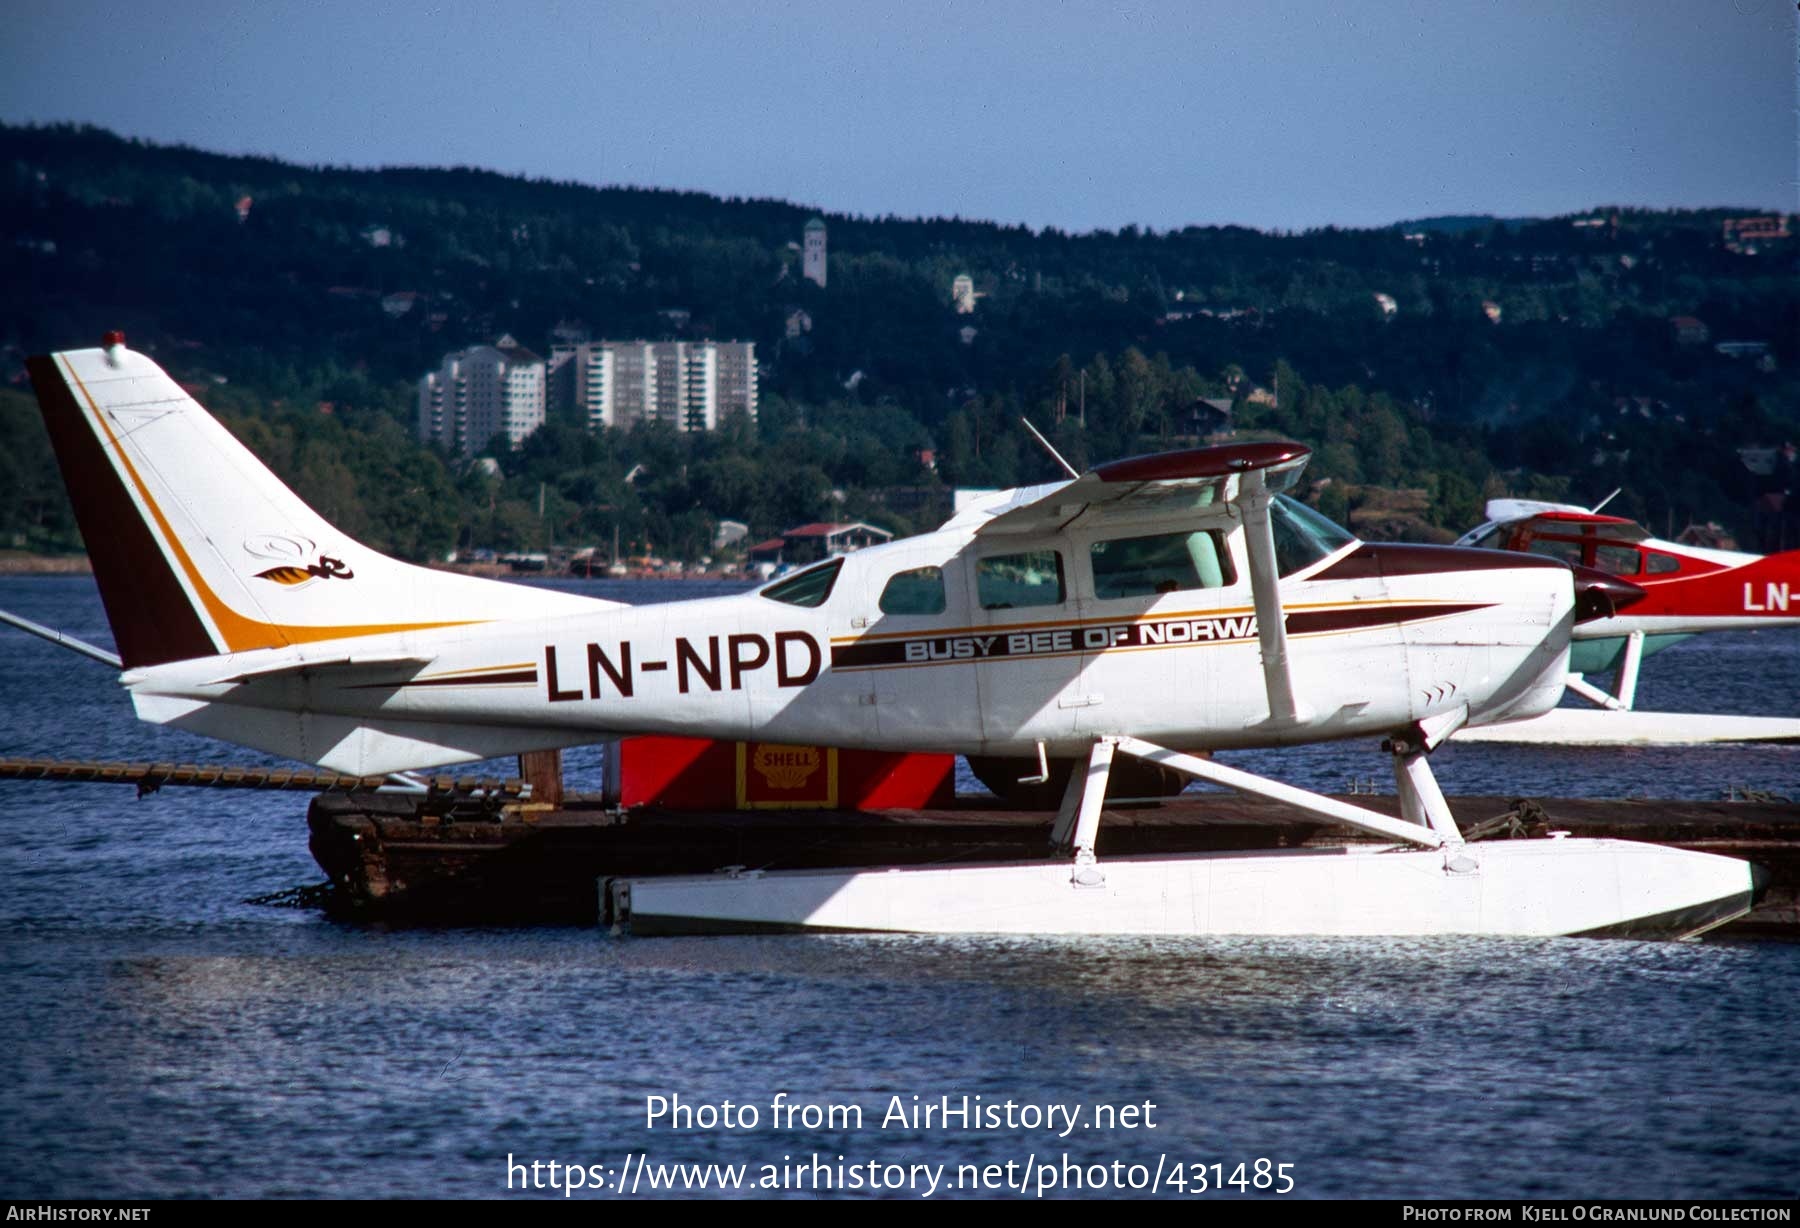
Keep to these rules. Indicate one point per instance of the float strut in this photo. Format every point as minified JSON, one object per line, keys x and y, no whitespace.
{"x":1080,"y":808}
{"x":1632,"y":657}
{"x":1328,"y":808}
{"x":1421,"y":801}
{"x":1593,"y":694}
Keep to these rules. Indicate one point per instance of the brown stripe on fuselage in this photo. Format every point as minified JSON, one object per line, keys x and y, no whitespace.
{"x":1350,"y":618}
{"x":152,"y":617}
{"x":1236,"y":628}
{"x":520,"y":675}
{"x":471,"y":678}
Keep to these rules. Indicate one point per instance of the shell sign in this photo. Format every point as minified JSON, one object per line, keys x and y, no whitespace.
{"x":696,"y":774}
{"x":774,"y":776}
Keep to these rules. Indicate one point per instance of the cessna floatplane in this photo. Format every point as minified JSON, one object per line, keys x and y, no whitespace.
{"x":1688,"y":590}
{"x":1144,"y":610}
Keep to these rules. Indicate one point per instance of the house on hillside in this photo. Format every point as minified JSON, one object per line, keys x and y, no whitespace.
{"x":811,"y":542}
{"x":1689,"y":330}
{"x":1205,"y":416}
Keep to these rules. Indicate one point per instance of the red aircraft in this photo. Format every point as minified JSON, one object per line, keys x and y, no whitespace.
{"x":1687,"y":590}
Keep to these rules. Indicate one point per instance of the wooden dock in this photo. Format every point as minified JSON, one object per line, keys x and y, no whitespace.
{"x":398,"y":857}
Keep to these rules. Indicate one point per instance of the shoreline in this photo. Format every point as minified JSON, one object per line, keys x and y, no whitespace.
{"x":503,"y":571}
{"x":25,"y":563}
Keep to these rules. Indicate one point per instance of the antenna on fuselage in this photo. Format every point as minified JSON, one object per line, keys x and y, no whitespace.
{"x":1050,"y":448}
{"x":1608,"y":499}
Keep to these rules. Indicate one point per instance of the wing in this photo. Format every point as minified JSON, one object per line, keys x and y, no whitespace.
{"x":334,"y":666}
{"x":1149,"y":487}
{"x":1563,"y":518}
{"x":1605,"y":528}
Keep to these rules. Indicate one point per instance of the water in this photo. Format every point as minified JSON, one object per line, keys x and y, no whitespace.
{"x":164,"y":1038}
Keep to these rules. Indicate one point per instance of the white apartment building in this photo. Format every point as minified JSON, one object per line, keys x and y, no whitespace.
{"x":482,"y":392}
{"x":691,"y":385}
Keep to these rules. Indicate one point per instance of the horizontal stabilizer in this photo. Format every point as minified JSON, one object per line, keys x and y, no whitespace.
{"x":329,"y":665}
{"x":355,"y":745}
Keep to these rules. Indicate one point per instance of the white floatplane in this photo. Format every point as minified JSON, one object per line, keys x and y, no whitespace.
{"x":1150,"y":607}
{"x":1688,"y":590}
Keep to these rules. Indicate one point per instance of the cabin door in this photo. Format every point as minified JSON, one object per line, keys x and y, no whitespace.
{"x":1027,"y":620}
{"x":915,"y":651}
{"x":1170,"y":635}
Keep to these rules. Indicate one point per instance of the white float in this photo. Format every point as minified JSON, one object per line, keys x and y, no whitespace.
{"x":1613,"y":721}
{"x":1522,"y":887}
{"x":1631,"y":727}
{"x":1544,"y":887}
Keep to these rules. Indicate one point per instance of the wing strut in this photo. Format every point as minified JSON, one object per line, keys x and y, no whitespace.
{"x":1265,"y":590}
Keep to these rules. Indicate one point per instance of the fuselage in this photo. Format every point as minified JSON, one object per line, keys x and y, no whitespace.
{"x":963,"y":642}
{"x":1687,"y":589}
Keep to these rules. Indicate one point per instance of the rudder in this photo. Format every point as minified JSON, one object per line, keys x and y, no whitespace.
{"x":152,"y":616}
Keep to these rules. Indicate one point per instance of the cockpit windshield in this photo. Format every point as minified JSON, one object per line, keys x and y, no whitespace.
{"x":1302,"y":536}
{"x":809,"y":589}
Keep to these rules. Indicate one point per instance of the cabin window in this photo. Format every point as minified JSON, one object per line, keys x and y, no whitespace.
{"x":1551,"y":548}
{"x":920,"y":591}
{"x":1163,"y":563}
{"x":1302,"y":536}
{"x":1014,"y":581}
{"x":1490,"y":540}
{"x":1662,"y":564}
{"x":1616,"y":560}
{"x":809,"y":589}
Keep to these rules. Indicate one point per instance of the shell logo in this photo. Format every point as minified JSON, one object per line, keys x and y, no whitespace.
{"x":786,"y":767}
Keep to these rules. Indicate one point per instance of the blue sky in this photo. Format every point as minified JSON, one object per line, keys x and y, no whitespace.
{"x":1280,"y":114}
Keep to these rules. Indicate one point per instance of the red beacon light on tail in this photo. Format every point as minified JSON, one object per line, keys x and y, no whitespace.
{"x":112,"y":341}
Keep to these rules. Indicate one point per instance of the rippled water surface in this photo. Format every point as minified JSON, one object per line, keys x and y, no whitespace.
{"x":165,"y":1038}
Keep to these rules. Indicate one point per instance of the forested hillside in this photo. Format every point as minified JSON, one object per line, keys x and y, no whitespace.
{"x":1454,"y":359}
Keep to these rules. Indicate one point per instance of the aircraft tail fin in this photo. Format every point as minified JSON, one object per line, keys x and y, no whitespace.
{"x":200,"y":550}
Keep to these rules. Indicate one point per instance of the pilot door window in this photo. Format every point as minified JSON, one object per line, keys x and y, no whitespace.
{"x":919,"y":591}
{"x":1015,"y":581}
{"x":1161,"y":563}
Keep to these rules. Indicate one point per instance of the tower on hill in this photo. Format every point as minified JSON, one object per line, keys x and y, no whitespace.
{"x":812,"y":253}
